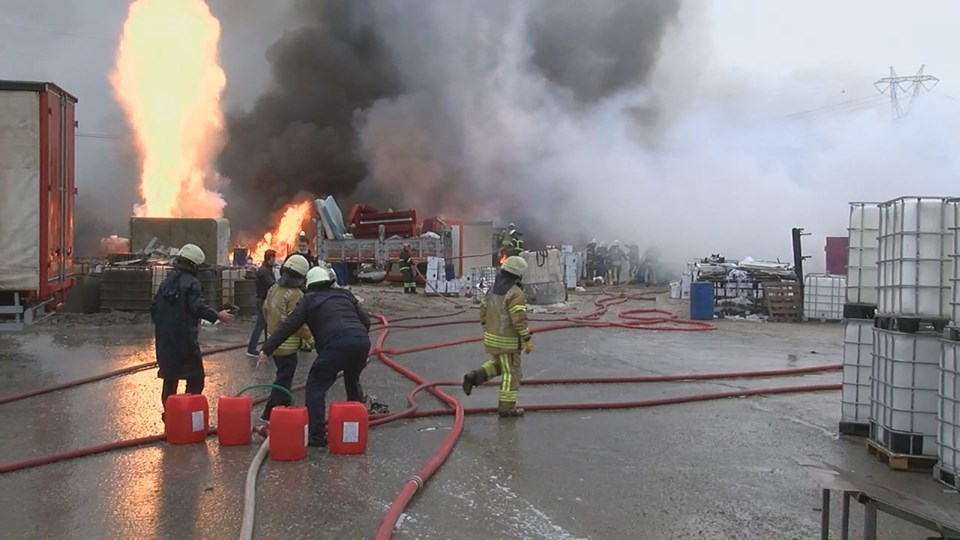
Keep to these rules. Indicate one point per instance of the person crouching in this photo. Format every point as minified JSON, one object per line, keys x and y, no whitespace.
{"x":340,"y":330}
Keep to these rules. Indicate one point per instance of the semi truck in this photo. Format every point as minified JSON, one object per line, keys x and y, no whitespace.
{"x":37,"y":194}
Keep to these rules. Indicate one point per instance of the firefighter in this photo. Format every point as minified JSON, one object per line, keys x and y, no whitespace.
{"x":589,"y":266}
{"x":278,"y":305}
{"x":265,"y":280}
{"x":339,"y":327}
{"x":406,"y":270}
{"x":176,"y":311}
{"x":503,"y":316}
{"x":516,"y":244}
{"x":617,"y":258}
{"x":600,"y":262}
{"x":633,"y":257}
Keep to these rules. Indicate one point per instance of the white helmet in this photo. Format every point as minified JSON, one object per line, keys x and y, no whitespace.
{"x":297,"y":263}
{"x":320,"y":274}
{"x":192,"y":253}
{"x":515,"y":265}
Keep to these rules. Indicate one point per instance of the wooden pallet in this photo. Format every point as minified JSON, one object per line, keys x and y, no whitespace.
{"x":783,"y":301}
{"x":900,"y":462}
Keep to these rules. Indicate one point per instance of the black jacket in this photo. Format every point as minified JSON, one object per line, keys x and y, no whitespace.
{"x":328,"y":313}
{"x":265,"y":280}
{"x":176,"y":311}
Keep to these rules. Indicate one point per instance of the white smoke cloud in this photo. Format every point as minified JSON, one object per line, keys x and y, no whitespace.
{"x":695,"y":165}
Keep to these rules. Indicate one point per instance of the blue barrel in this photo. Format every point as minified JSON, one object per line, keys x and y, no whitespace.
{"x":240,"y":256}
{"x":701,"y":301}
{"x":343,"y":273}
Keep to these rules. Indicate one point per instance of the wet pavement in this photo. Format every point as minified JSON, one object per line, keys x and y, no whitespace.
{"x":719,"y":469}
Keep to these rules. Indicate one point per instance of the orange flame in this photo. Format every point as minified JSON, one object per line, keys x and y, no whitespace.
{"x":169,"y":80}
{"x":282,"y":239}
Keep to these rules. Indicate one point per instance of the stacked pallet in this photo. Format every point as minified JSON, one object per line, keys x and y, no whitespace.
{"x":783,"y":300}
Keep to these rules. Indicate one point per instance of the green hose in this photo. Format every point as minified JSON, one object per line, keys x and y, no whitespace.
{"x":273,"y":386}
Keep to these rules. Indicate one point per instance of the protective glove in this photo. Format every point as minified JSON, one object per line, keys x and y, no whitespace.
{"x":306,"y":345}
{"x":527,"y":346}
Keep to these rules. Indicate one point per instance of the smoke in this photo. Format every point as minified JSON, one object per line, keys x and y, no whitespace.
{"x":437,"y":107}
{"x":299,"y":135}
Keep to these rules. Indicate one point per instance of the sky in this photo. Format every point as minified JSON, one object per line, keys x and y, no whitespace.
{"x":774,"y":104}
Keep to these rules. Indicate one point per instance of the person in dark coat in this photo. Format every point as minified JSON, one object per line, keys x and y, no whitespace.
{"x":340,"y":329}
{"x":176,"y":311}
{"x":265,"y":279}
{"x":303,"y":248}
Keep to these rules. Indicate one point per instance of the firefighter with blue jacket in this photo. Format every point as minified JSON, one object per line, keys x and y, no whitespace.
{"x":503,"y":316}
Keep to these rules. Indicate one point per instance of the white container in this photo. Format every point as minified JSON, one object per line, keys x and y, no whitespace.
{"x":948,"y":412}
{"x":543,"y":267}
{"x":857,"y":370}
{"x":862,"y":272}
{"x":159,"y":273}
{"x":571,"y":269}
{"x":914,"y":261}
{"x":823,"y":297}
{"x":954,"y":254}
{"x":904,"y":387}
{"x":675,"y":289}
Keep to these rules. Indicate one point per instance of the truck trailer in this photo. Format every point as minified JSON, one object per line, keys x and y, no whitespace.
{"x":37,"y":193}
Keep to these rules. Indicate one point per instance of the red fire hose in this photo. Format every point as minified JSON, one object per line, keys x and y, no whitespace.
{"x":102,"y":376}
{"x":631,"y":319}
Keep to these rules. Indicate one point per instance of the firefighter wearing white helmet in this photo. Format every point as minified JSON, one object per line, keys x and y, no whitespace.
{"x":176,"y":311}
{"x":617,"y":259}
{"x":503,"y":316}
{"x":339,"y":327}
{"x":279,"y":303}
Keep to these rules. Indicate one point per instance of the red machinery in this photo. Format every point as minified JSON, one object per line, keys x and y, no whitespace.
{"x":364,"y":222}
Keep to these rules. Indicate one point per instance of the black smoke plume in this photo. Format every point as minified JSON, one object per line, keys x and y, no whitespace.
{"x":454,"y":107}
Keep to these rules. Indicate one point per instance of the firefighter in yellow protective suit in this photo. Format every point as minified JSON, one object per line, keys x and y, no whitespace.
{"x":503,"y":315}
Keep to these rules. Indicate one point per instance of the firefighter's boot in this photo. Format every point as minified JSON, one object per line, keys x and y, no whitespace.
{"x":474,"y":378}
{"x":509,"y":409}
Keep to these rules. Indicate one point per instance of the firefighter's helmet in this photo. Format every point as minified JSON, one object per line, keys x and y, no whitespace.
{"x":297,"y":264}
{"x":320,"y":274}
{"x":192,"y":253}
{"x":515,"y":265}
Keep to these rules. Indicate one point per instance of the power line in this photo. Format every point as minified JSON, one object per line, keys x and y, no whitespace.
{"x":86,"y":135}
{"x":897,"y":84}
{"x":56,"y":32}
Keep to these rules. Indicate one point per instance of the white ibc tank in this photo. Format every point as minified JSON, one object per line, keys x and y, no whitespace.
{"x":954,"y":253}
{"x":857,"y":370}
{"x":914,"y":261}
{"x":862,"y":273}
{"x":948,"y":415}
{"x":906,"y":378}
{"x":543,"y":283}
{"x":823,"y":297}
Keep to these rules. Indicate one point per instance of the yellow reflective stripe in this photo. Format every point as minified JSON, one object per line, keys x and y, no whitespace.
{"x":507,"y":374}
{"x":519,"y":308}
{"x":524,"y":332}
{"x":500,"y":341}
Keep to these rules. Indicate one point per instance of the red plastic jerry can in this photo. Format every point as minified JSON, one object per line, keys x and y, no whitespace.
{"x":187,"y":418}
{"x":234,"y":427}
{"x":289,"y":433}
{"x":347,"y":427}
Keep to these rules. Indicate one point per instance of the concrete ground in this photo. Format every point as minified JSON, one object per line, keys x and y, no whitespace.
{"x":718,"y":469}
